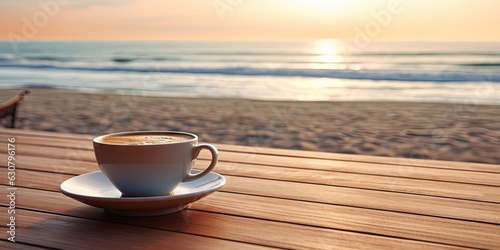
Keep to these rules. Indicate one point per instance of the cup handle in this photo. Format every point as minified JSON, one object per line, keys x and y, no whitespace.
{"x":196,"y":152}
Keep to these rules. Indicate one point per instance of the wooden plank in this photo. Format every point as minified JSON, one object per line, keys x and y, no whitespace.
{"x":387,"y":201}
{"x":382,"y":223}
{"x":5,"y":244}
{"x":339,"y":179}
{"x":83,"y":151}
{"x":455,"y":232}
{"x":456,"y":165}
{"x":270,"y":233}
{"x":234,"y":228}
{"x":382,"y":183}
{"x":364,"y":168}
{"x":465,"y":166}
{"x":65,"y":232}
{"x":52,"y":152}
{"x":285,"y":200}
{"x":39,"y":133}
{"x":52,"y":142}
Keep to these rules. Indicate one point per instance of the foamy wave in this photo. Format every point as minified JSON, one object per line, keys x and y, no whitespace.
{"x":387,"y":75}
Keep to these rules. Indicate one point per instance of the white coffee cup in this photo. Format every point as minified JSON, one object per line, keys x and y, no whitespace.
{"x":152,"y":167}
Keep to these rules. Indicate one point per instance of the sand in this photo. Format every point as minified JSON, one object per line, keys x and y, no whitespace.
{"x":456,"y":132}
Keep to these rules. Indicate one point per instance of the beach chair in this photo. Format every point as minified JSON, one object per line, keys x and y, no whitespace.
{"x":8,"y":109}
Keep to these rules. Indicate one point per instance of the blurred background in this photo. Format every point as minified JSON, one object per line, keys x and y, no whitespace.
{"x":412,"y":79}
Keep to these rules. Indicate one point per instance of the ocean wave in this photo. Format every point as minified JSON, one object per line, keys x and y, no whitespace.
{"x":344,"y":53}
{"x":132,"y":59}
{"x":48,"y":58}
{"x":387,"y":75}
{"x":426,"y":54}
{"x":7,"y":57}
{"x":494,"y":64}
{"x":123,"y":60}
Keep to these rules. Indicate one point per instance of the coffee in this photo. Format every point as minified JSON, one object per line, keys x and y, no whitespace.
{"x":144,"y":139}
{"x":163,"y":160}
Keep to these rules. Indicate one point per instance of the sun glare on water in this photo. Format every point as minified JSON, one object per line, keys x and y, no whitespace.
{"x":328,"y":51}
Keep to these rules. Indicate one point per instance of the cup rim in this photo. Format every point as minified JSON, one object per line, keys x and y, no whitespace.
{"x":138,"y":132}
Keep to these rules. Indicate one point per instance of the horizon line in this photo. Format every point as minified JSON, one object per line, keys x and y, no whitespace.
{"x":242,"y":39}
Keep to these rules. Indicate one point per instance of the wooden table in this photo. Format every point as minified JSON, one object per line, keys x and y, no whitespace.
{"x":273,"y":199}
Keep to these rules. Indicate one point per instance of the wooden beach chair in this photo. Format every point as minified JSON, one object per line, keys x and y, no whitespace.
{"x":8,"y":109}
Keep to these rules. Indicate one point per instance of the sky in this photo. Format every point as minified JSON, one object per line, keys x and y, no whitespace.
{"x":429,"y":20}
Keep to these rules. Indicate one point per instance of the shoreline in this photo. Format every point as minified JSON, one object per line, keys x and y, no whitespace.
{"x":423,"y":130}
{"x":154,"y":94}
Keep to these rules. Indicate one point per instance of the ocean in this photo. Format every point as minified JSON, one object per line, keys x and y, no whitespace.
{"x":315,"y":70}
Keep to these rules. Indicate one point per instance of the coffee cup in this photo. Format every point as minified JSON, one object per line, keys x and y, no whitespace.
{"x":150,"y":163}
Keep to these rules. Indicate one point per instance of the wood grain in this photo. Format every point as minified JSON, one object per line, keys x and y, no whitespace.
{"x":82,"y":150}
{"x":219,"y":223}
{"x":467,"y":166}
{"x":5,"y":244}
{"x":72,"y":165}
{"x":273,"y":198}
{"x":65,"y":232}
{"x":388,"y":201}
{"x":424,"y":228}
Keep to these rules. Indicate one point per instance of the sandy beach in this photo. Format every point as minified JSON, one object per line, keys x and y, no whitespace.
{"x":456,"y":132}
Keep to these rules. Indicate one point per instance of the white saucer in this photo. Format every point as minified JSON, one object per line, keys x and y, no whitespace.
{"x":96,"y":190}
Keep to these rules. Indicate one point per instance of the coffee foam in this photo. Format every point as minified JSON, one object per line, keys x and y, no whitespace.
{"x":144,"y":139}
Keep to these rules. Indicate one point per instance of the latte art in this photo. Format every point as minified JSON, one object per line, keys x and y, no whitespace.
{"x":144,"y":139}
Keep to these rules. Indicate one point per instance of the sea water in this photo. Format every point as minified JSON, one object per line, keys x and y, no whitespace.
{"x":309,"y":70}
